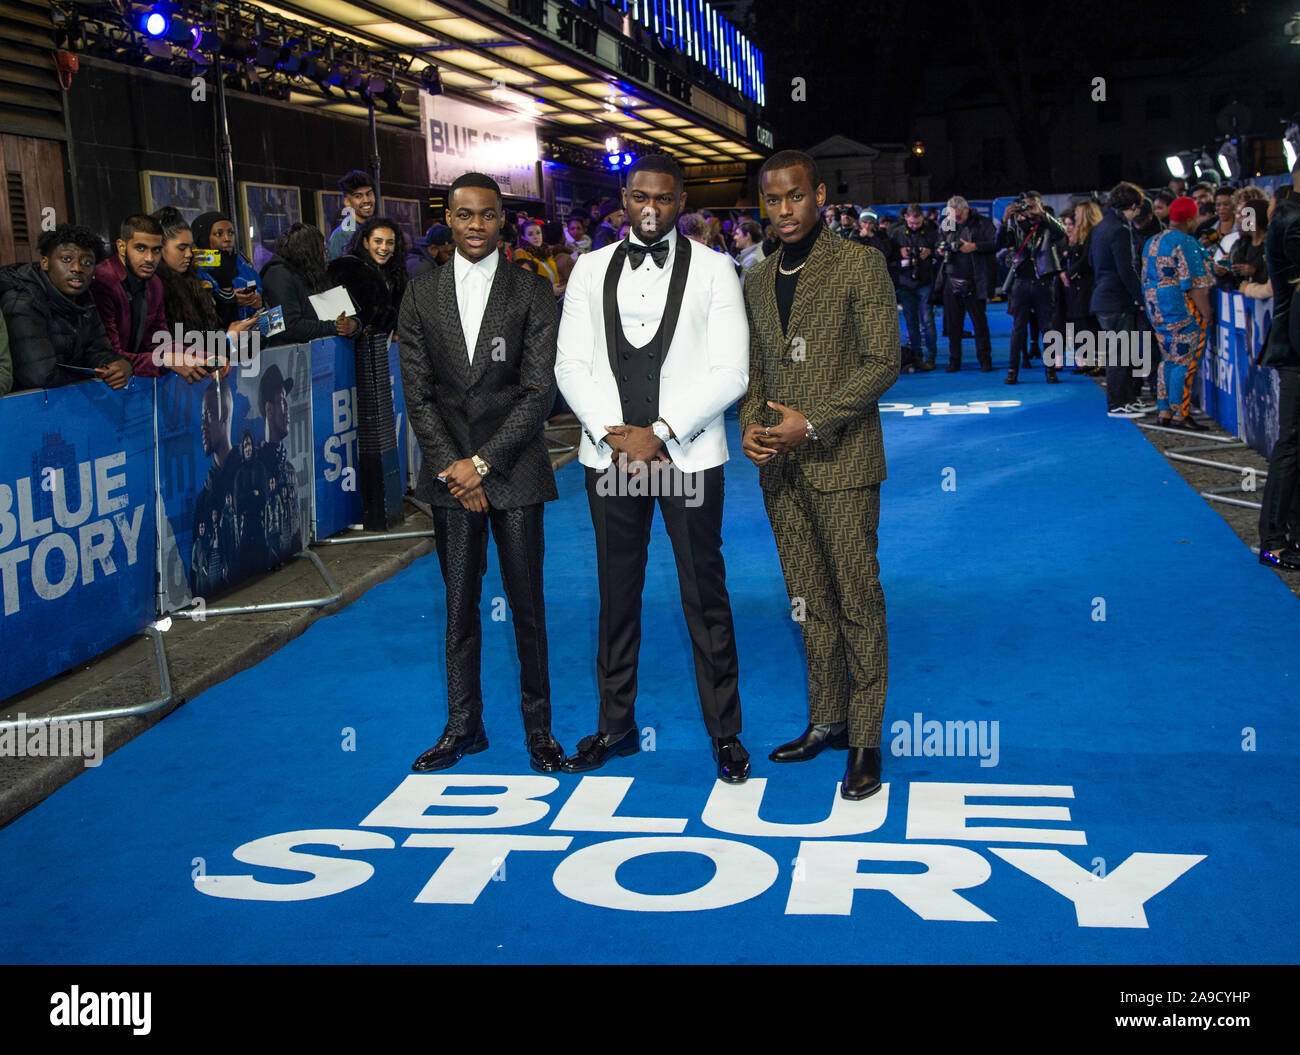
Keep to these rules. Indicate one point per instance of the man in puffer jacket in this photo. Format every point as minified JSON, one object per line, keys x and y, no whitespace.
{"x":51,"y":319}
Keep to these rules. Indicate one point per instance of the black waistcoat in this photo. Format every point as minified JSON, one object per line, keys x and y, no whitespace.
{"x":636,"y":370}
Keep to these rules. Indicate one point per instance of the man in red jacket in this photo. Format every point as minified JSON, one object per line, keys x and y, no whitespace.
{"x":129,"y":296}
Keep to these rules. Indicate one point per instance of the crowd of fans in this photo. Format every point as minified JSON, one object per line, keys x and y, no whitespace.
{"x":1134,"y":266}
{"x":90,"y":310}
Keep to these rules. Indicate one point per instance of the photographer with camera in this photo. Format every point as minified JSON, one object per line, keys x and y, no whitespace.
{"x":1037,"y":241}
{"x":967,"y":278}
{"x":913,"y":273}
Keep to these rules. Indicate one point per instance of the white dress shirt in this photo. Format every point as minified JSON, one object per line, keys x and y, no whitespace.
{"x":643,"y":294}
{"x":473,"y":283}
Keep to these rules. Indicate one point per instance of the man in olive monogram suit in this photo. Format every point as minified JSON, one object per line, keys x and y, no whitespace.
{"x":477,"y":344}
{"x":823,"y":348}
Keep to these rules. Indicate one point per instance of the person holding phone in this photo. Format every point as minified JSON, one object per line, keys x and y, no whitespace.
{"x":236,"y":286}
{"x":188,"y":307}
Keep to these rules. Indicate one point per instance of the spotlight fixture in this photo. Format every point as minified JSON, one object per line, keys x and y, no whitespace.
{"x":162,"y":23}
{"x":238,"y":46}
{"x":1291,"y":143}
{"x":1206,"y":168}
{"x":1179,"y":165}
{"x":206,"y":39}
{"x":391,"y":97}
{"x":1229,"y":161}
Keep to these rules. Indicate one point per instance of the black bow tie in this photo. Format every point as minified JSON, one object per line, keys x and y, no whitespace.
{"x":636,"y":252}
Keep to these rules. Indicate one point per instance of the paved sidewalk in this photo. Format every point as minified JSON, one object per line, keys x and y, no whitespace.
{"x":202,"y":654}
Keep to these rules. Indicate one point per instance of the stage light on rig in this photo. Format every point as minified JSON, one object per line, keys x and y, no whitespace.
{"x":161,"y":22}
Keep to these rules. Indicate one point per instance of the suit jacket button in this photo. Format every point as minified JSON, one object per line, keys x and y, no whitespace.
{"x":625,"y":377}
{"x":626,"y":355}
{"x":649,"y":399}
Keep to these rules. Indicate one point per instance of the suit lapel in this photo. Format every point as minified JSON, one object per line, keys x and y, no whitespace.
{"x":609,"y":302}
{"x":676,"y":288}
{"x":449,"y":313}
{"x":810,"y":280}
{"x":768,"y":314}
{"x":493,"y":309}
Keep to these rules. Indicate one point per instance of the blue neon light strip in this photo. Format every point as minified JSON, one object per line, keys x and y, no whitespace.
{"x":694,"y":28}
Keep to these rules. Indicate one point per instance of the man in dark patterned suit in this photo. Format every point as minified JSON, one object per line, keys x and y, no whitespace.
{"x":823,"y":349}
{"x":477,"y":345}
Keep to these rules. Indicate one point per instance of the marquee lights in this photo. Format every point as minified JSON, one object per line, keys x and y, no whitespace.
{"x":697,"y":30}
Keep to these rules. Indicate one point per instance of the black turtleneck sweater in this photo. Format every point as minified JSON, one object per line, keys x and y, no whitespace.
{"x":791,"y":256}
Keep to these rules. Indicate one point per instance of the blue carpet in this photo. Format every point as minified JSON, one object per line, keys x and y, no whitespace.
{"x":1045,"y":570}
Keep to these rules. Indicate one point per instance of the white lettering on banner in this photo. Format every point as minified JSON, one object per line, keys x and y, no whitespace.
{"x":461,"y":137}
{"x":825,"y":880}
{"x":84,"y":549}
{"x":342,"y":403}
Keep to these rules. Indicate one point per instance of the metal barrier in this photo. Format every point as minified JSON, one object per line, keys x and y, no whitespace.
{"x":336,"y":593}
{"x":383,"y":536}
{"x":164,"y":683}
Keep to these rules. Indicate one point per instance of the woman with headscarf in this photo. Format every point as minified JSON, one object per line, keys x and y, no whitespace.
{"x":236,"y":287}
{"x":373,"y":271}
{"x":291,"y":277}
{"x":187,"y":302}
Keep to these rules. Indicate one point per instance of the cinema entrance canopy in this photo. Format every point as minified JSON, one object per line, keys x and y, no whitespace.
{"x":603,"y":81}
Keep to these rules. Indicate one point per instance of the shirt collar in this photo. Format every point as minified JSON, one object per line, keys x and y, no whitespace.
{"x":635,"y":238}
{"x":486,"y":268}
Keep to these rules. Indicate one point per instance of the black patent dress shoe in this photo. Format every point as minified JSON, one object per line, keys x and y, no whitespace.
{"x":594,"y":751}
{"x":732,"y":759}
{"x":1191,"y":424}
{"x":952,"y":368}
{"x":862,"y":775}
{"x":1284,"y":558}
{"x":1011,"y":378}
{"x":815,"y":740}
{"x":1052,"y":379}
{"x":545,"y":755}
{"x":449,"y":750}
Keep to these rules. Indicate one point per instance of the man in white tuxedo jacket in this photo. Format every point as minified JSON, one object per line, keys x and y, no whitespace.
{"x":653,"y":348}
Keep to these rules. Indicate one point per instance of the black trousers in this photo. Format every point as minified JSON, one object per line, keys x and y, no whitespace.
{"x":1280,"y":512}
{"x":694,"y":524}
{"x":1122,"y":387}
{"x":462,"y":555}
{"x":1029,"y":296}
{"x":954,"y":310}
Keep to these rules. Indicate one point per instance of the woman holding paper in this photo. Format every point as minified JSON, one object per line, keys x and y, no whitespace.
{"x":373,"y":271}
{"x":291,"y":278}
